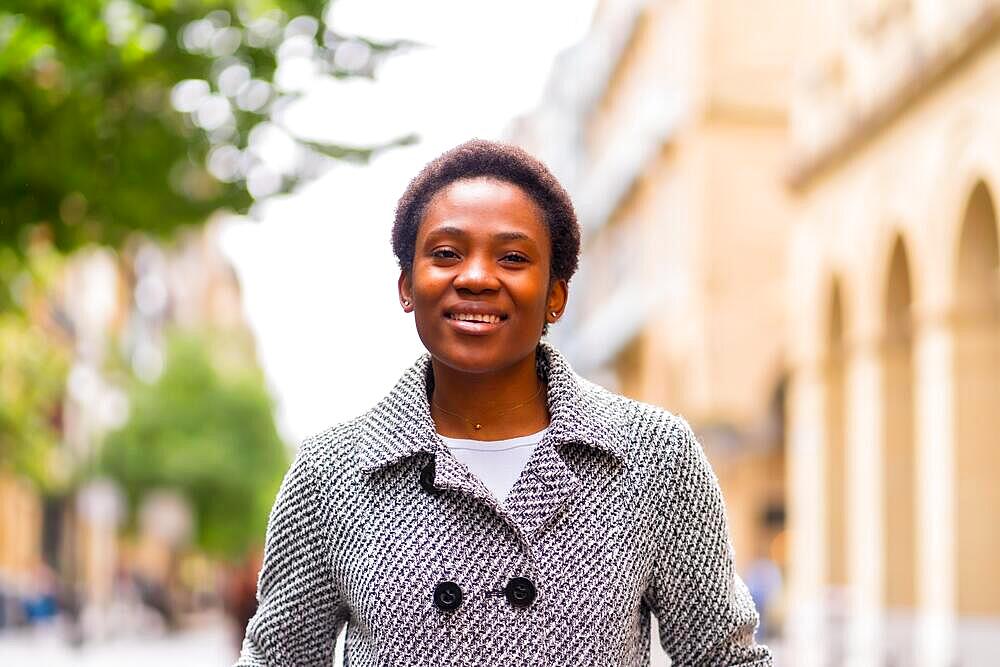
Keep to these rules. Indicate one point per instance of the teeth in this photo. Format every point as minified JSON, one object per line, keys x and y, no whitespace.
{"x":468,"y":317}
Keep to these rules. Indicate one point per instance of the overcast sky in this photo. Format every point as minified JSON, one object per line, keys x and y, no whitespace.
{"x":318,"y":274}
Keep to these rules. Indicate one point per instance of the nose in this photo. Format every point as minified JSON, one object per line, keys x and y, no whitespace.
{"x":476,"y":275}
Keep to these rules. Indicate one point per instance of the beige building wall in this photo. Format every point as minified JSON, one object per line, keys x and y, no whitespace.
{"x":893,"y":447}
{"x":702,"y":227}
{"x":805,"y":194}
{"x":674,"y":158}
{"x":20,"y":541}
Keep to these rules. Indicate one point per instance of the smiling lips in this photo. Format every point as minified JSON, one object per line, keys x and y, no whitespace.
{"x":476,"y":317}
{"x":475,"y":323}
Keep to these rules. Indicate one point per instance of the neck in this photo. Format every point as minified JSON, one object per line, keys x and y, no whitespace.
{"x":479,"y":397}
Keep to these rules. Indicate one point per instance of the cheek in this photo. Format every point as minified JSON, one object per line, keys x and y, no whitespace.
{"x":531,"y":297}
{"x":428,"y":284}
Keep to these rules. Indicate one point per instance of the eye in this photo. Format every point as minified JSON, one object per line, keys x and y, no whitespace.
{"x":444,"y":253}
{"x":516,"y":257}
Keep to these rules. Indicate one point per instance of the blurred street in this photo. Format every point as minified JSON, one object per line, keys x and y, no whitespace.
{"x":206,"y":646}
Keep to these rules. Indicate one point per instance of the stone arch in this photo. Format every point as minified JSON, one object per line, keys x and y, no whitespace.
{"x":964,"y":169}
{"x":898,"y":451}
{"x":834,"y":488}
{"x":977,"y":408}
{"x":908,"y":236}
{"x":835,"y":445}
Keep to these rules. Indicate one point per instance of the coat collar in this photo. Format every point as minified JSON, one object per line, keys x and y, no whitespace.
{"x":400,"y":425}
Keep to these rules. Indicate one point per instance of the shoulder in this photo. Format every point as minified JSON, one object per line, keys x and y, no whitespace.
{"x":651,"y":434}
{"x":664,"y":449}
{"x":327,"y":454}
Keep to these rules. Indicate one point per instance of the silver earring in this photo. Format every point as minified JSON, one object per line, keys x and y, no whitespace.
{"x":406,"y":302}
{"x":555,"y":314}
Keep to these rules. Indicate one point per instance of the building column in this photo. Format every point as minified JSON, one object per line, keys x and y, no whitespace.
{"x":805,"y":483}
{"x":100,"y":507}
{"x":864,"y":502}
{"x":935,"y":478}
{"x":20,"y":527}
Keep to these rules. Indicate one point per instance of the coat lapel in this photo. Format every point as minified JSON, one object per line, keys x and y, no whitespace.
{"x":545,"y":484}
{"x":581,"y":413}
{"x":450,"y":474}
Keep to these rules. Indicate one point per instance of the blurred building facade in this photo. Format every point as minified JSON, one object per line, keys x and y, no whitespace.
{"x":895,"y":338}
{"x":673,"y":155}
{"x":102,"y":299}
{"x":790,"y":239}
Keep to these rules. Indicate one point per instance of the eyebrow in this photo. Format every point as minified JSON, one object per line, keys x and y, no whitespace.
{"x":500,"y":236}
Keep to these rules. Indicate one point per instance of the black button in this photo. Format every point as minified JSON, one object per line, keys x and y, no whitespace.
{"x":447,"y":595}
{"x":520,"y":592}
{"x":427,"y":478}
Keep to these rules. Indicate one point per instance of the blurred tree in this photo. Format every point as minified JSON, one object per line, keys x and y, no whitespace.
{"x":205,"y":429}
{"x":35,"y":355}
{"x":32,"y":382}
{"x":122,"y":115}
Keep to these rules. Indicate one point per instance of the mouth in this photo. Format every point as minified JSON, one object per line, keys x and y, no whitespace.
{"x":475,"y":324}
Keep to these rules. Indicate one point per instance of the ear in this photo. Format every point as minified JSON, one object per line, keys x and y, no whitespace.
{"x":405,"y":286}
{"x":556,"y":303}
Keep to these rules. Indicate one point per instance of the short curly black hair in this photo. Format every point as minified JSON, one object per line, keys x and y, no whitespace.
{"x":504,"y":162}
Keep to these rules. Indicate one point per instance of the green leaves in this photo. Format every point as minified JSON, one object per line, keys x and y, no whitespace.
{"x":103,"y":132}
{"x":206,"y":432}
{"x":32,"y":377}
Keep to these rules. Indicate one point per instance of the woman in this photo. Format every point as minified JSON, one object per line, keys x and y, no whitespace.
{"x":495,"y":508}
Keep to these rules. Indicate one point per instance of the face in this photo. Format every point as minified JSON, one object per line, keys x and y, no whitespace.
{"x":479,"y":288}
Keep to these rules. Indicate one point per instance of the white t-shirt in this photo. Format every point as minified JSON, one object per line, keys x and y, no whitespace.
{"x":498,"y":463}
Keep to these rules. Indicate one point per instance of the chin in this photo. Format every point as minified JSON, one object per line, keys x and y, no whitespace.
{"x":472,"y":354}
{"x":470,"y":358}
{"x":475,"y":353}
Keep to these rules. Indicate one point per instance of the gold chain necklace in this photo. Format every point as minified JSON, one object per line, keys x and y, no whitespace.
{"x":476,"y":426}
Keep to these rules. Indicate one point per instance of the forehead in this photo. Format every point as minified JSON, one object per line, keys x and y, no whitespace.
{"x":484,"y":204}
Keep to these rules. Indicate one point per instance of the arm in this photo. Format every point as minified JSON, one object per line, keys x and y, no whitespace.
{"x":299,"y":611}
{"x":705,"y":612}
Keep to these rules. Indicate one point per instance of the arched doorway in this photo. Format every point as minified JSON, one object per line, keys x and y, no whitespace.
{"x":898,"y":462}
{"x":977,"y":430}
{"x":835,"y":475}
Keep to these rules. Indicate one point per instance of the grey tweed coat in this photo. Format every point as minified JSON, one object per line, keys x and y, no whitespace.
{"x":617,"y":516}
